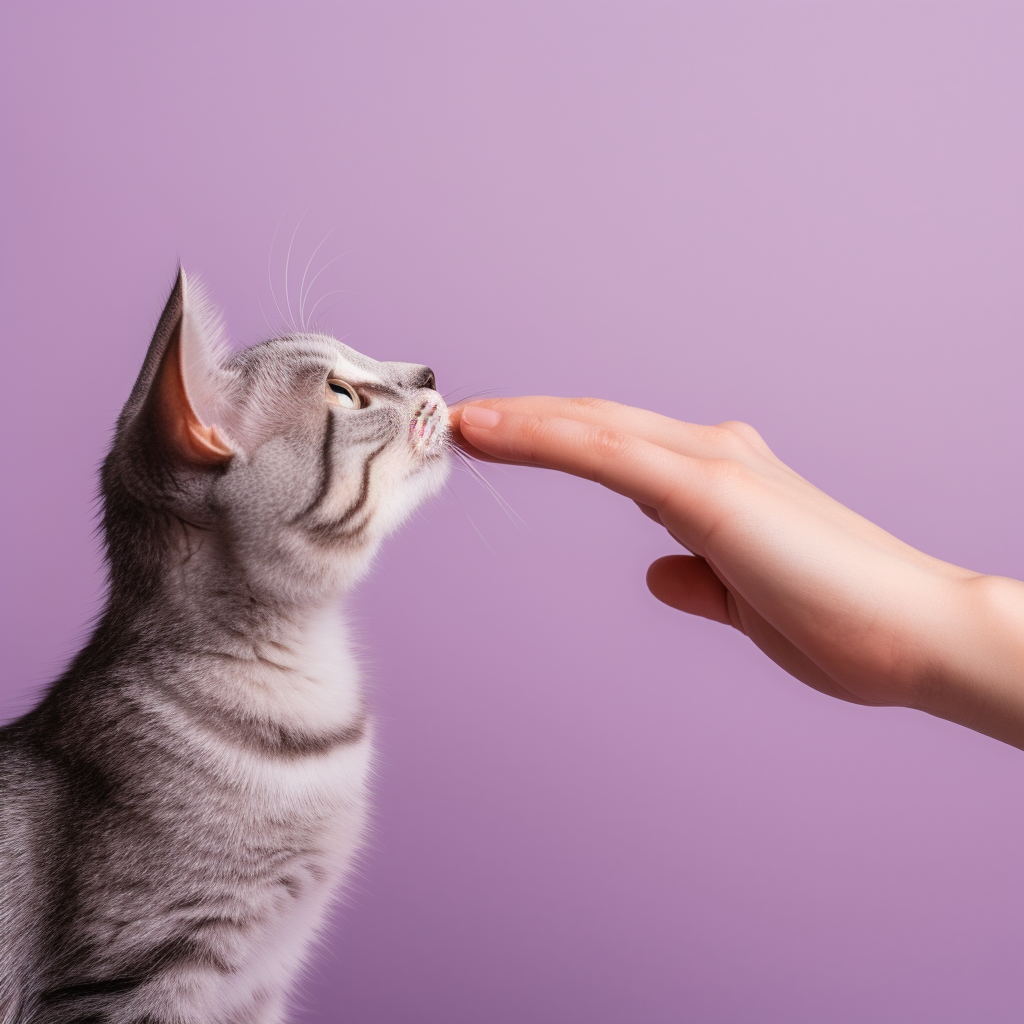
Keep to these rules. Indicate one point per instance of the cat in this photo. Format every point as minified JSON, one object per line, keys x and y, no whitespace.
{"x":181,"y":805}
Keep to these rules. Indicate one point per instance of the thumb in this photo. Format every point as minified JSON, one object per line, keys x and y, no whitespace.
{"x":689,"y":584}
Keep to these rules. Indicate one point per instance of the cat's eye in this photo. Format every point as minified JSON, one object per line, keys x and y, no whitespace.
{"x":343,"y":394}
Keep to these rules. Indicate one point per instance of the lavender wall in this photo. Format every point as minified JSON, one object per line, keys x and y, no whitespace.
{"x":809,"y":216}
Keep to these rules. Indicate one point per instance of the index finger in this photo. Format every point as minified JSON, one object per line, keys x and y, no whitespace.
{"x":629,"y":465}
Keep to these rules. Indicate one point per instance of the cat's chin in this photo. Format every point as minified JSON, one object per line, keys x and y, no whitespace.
{"x":429,"y":433}
{"x":425,"y":480}
{"x":430,"y":444}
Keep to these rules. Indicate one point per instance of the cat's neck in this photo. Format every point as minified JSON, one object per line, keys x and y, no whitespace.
{"x":289,"y":670}
{"x":226,"y":614}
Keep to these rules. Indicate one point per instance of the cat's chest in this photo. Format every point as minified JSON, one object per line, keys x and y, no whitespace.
{"x":312,"y":787}
{"x":306,"y":680}
{"x":292,"y":754}
{"x":283,"y":734}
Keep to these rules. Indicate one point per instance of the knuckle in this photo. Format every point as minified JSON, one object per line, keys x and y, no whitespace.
{"x":585,"y":405}
{"x":606,"y":443}
{"x":737,"y":436}
{"x":741,"y":429}
{"x":531,"y":432}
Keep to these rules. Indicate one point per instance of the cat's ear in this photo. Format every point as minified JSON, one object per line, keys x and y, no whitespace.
{"x":178,"y":392}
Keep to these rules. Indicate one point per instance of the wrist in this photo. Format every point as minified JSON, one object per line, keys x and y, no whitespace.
{"x":975,"y":674}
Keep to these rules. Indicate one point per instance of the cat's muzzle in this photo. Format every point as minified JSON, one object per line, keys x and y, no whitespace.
{"x":428,"y":429}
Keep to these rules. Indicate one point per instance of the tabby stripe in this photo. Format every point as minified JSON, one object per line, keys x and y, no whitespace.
{"x":268,"y":738}
{"x":281,"y":742}
{"x":90,"y":988}
{"x":360,"y":500}
{"x":325,"y":470}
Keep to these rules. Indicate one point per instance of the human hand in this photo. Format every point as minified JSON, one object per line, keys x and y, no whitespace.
{"x":835,"y":600}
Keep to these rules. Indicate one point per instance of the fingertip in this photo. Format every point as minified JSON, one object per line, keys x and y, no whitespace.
{"x":479,"y":417}
{"x":659,"y":575}
{"x":468,"y":439}
{"x":687,"y":583}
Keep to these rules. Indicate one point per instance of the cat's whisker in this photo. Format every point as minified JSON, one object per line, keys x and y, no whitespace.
{"x":450,"y":490}
{"x":472,"y":394}
{"x":336,"y":291}
{"x":287,"y":263}
{"x":326,"y":295}
{"x":479,"y":478}
{"x":469,"y":465}
{"x":302,"y":283}
{"x":270,"y":265}
{"x":463,"y":387}
{"x":313,"y":279}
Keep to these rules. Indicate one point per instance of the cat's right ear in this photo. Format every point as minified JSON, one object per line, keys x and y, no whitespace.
{"x":175,"y":398}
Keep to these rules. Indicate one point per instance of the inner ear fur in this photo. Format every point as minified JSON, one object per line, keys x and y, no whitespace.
{"x":167,"y":404}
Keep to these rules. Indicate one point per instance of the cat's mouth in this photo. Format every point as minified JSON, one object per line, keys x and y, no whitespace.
{"x":428,"y":429}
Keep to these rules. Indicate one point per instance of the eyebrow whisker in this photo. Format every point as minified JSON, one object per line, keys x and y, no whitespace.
{"x":336,"y":291}
{"x":313,"y":279}
{"x":270,"y":266}
{"x":302,"y":283}
{"x":287,"y":261}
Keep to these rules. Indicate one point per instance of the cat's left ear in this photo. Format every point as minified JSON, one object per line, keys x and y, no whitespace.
{"x":178,"y":392}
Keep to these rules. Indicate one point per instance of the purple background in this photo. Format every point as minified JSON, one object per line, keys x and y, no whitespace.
{"x":808,"y":216}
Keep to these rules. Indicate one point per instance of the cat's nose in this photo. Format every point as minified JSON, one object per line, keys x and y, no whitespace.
{"x":413,"y":375}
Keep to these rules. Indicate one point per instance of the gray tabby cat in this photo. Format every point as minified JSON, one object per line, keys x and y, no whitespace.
{"x":179,"y":808}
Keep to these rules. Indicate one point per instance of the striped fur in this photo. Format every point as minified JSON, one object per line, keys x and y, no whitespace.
{"x":182,"y":804}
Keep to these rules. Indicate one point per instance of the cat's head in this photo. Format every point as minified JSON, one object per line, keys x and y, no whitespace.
{"x":276,"y":470}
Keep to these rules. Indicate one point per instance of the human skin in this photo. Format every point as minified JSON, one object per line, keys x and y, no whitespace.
{"x":835,"y":600}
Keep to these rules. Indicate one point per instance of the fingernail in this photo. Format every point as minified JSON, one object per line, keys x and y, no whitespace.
{"x":480,"y":416}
